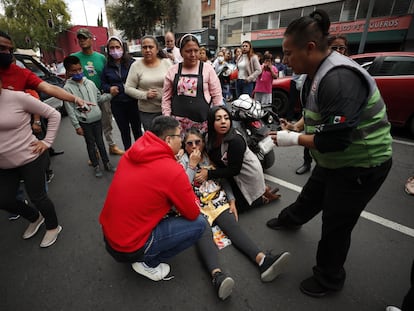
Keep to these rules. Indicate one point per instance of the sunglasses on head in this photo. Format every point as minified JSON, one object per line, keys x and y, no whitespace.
{"x":190,"y":143}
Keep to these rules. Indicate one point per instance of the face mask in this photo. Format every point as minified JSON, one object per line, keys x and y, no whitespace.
{"x":116,"y":54}
{"x":5,"y":60}
{"x":220,"y":58}
{"x":77,"y":76}
{"x":277,"y":60}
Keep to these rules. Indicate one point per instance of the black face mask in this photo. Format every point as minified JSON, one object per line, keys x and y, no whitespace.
{"x":5,"y":60}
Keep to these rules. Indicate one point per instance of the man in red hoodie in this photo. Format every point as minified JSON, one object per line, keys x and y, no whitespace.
{"x":147,"y":185}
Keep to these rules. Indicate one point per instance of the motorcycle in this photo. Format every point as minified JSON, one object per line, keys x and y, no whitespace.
{"x":254,"y":121}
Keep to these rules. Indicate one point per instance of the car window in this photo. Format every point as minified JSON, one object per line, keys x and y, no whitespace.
{"x":27,"y":63}
{"x":397,"y":66}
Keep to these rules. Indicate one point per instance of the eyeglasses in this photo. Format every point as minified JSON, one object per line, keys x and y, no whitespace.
{"x":190,"y":143}
{"x":338,"y":47}
{"x":175,"y":135}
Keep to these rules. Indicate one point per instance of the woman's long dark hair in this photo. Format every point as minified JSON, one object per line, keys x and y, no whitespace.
{"x":211,"y":132}
{"x":314,"y":27}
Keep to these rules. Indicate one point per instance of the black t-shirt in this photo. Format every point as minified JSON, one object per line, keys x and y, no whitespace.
{"x":342,"y":95}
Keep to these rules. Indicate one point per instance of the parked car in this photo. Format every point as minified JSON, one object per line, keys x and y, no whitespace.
{"x":394,"y":74}
{"x":27,"y":61}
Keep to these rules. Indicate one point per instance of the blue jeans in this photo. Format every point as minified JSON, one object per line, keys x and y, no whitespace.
{"x":244,"y":87}
{"x":170,"y":237}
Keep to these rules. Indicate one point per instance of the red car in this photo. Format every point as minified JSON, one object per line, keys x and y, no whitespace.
{"x":394,"y":74}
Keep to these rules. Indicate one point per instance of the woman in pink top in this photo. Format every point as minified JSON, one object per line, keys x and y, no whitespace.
{"x":263,"y":88}
{"x":190,"y":88}
{"x":23,"y":157}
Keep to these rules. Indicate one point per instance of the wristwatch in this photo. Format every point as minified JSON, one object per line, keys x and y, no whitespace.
{"x":37,"y":123}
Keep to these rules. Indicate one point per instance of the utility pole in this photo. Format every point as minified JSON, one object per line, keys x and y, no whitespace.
{"x":366,"y":27}
{"x":84,"y":10}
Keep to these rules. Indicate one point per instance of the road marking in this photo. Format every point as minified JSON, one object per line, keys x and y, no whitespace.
{"x":403,"y":142}
{"x":367,"y":215}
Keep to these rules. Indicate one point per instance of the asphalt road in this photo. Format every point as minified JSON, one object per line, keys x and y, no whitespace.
{"x":77,"y":274}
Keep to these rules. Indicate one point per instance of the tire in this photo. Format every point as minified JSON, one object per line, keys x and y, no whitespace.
{"x":280,"y":102}
{"x":268,"y":160}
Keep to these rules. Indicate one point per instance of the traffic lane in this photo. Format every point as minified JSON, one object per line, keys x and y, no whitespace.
{"x":77,"y":273}
{"x":390,"y":202}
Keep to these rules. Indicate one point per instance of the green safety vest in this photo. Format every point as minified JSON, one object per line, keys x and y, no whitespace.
{"x":371,"y":139}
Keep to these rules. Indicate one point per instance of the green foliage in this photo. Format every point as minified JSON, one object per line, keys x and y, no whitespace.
{"x":100,"y":20}
{"x":139,"y":17}
{"x":34,"y":23}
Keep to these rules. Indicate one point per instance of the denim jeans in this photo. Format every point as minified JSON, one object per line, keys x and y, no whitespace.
{"x":244,"y":87}
{"x":170,"y":237}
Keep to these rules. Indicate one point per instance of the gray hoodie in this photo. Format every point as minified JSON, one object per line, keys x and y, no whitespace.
{"x":86,"y":90}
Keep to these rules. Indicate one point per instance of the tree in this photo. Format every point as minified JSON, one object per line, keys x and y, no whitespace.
{"x":139,"y":17}
{"x":100,"y":20}
{"x":34,"y":23}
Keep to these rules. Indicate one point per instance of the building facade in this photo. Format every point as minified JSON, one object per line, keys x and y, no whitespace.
{"x":391,"y":26}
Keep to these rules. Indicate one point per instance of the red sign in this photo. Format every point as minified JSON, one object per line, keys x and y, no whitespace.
{"x":375,"y":24}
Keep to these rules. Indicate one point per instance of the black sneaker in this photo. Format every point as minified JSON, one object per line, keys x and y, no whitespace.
{"x":223,"y":284}
{"x":313,"y":288}
{"x":276,"y":224}
{"x":108,"y":167}
{"x":273,"y":266}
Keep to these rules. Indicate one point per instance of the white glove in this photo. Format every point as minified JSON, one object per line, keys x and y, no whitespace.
{"x":287,"y":138}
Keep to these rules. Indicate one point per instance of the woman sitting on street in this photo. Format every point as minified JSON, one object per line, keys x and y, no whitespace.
{"x":234,"y":161}
{"x":218,"y":206}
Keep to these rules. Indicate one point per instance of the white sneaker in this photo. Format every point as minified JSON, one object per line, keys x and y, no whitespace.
{"x":391,"y":308}
{"x":156,"y":274}
{"x":33,"y":227}
{"x":50,"y":236}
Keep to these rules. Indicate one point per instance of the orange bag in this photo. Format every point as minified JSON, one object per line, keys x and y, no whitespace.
{"x":234,"y":74}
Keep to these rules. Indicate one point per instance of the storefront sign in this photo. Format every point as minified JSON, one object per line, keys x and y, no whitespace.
{"x":376,"y":24}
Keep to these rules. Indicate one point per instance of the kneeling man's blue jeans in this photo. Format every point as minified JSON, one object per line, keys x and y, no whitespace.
{"x":171,"y":236}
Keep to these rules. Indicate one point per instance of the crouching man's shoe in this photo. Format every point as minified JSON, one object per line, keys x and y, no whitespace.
{"x":157,"y":273}
{"x":113,"y":149}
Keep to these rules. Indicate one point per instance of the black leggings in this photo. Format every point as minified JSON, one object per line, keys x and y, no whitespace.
{"x":33,"y":174}
{"x":127,"y":118}
{"x":208,"y":249}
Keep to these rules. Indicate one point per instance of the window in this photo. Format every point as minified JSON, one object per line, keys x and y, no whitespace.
{"x":260,"y":21}
{"x":289,"y":15}
{"x":333,"y":10}
{"x":348,"y":10}
{"x":246,"y":24}
{"x":231,"y":30}
{"x":274,"y":20}
{"x":401,"y":7}
{"x":381,"y":8}
{"x":397,"y":66}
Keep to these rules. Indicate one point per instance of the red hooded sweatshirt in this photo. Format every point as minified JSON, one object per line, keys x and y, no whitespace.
{"x":147,"y":183}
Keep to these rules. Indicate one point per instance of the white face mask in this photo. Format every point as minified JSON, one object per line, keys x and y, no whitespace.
{"x":277,"y":60}
{"x":220,"y":58}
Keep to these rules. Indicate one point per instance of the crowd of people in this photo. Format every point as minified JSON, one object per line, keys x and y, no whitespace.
{"x":198,"y":168}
